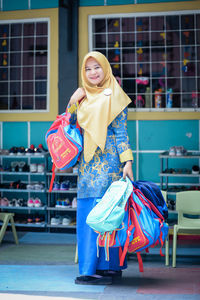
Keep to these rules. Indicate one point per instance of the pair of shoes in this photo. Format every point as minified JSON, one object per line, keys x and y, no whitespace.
{"x":36,"y":168}
{"x":93,"y":280}
{"x":16,"y":202}
{"x":19,"y":166}
{"x":177,"y":151}
{"x":63,"y":186}
{"x":63,"y":203}
{"x":66,"y":220}
{"x":34,"y":202}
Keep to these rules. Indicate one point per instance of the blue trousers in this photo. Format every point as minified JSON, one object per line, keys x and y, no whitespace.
{"x":87,"y":249}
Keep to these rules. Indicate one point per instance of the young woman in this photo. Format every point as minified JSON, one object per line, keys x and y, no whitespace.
{"x":106,"y":157}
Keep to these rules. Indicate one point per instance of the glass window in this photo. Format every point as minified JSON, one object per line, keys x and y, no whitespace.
{"x":155,"y":58}
{"x":24,"y":65}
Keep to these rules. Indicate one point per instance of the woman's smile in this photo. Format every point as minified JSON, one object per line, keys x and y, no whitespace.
{"x":94,"y":71}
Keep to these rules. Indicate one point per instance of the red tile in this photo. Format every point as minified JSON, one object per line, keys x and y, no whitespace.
{"x":170,"y":281}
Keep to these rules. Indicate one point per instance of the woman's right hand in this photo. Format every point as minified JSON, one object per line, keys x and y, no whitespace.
{"x":77,"y":96}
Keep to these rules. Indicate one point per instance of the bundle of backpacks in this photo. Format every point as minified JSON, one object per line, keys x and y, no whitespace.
{"x":131,"y":216}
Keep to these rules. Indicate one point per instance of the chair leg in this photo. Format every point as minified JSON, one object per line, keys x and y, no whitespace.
{"x":167,"y":251}
{"x":14,"y":230}
{"x":3,"y":228}
{"x":174,"y":246}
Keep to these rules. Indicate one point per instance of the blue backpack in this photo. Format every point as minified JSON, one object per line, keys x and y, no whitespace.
{"x":153,"y":193}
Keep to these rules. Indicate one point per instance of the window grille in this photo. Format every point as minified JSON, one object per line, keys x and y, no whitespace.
{"x":154,"y":56}
{"x":24,"y":53}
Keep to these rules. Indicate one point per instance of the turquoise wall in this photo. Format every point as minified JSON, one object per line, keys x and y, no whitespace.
{"x":147,"y":138}
{"x":7,"y":5}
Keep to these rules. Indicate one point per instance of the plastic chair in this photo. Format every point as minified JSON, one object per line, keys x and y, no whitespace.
{"x":164,"y":193}
{"x":6,"y":218}
{"x":187,"y":203}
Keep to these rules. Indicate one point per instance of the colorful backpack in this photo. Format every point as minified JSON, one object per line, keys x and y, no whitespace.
{"x":64,"y":142}
{"x":107,"y":216}
{"x":146,"y":227}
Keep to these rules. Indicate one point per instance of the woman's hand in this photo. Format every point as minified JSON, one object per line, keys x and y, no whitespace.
{"x":77,"y":96}
{"x":127,"y":170}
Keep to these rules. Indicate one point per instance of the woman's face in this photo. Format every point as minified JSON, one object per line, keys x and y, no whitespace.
{"x":93,"y":71}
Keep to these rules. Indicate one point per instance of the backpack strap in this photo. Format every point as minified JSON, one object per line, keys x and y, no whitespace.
{"x":52,"y":177}
{"x":140,"y":262}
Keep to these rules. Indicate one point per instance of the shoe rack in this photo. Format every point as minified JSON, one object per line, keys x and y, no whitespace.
{"x":23,"y":178}
{"x":179,"y":173}
{"x":62,"y":200}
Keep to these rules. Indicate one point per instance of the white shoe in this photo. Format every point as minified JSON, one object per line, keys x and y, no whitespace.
{"x":33,"y":168}
{"x":66,"y":221}
{"x":40,"y":168}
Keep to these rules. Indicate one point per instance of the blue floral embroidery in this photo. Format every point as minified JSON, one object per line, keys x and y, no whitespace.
{"x":97,"y":175}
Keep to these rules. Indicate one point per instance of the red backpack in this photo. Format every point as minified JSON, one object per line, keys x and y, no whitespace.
{"x":64,"y":142}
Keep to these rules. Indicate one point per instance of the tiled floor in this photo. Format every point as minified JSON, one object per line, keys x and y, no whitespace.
{"x":42,"y":267}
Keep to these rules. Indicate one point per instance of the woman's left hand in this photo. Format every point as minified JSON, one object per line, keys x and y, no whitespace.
{"x":127,"y":170}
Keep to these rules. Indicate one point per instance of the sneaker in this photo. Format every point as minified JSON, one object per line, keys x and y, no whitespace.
{"x":38,"y":186}
{"x":195,"y":170}
{"x":64,"y":185}
{"x":19,"y":202}
{"x":38,"y":220}
{"x":180,"y":151}
{"x":12,"y":202}
{"x":37,"y":202}
{"x":56,"y":186}
{"x":66,"y":220}
{"x":20,"y":151}
{"x":40,"y":150}
{"x":13,"y":151}
{"x":33,"y":168}
{"x":29,"y":151}
{"x":30,"y":186}
{"x":4,"y":202}
{"x":172,"y":151}
{"x":14,"y":166}
{"x":40,"y":168}
{"x":74,"y":202}
{"x":30,"y":202}
{"x":23,"y":167}
{"x":30,"y":220}
{"x":56,"y":221}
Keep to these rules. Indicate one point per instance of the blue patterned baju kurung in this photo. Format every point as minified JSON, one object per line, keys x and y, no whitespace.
{"x":94,"y":179}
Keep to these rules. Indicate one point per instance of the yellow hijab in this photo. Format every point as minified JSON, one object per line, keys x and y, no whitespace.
{"x":98,"y":110}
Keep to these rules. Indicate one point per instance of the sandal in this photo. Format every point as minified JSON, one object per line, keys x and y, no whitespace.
{"x":93,"y":280}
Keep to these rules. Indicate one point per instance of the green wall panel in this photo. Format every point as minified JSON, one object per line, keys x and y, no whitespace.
{"x":149,"y":167}
{"x":15,"y":5}
{"x":91,"y":2}
{"x":38,"y":131}
{"x":132,"y":133}
{"x":15,"y":134}
{"x":160,"y":135}
{"x":36,"y":4}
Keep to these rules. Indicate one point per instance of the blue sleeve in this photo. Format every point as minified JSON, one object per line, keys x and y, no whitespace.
{"x":119,"y":127}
